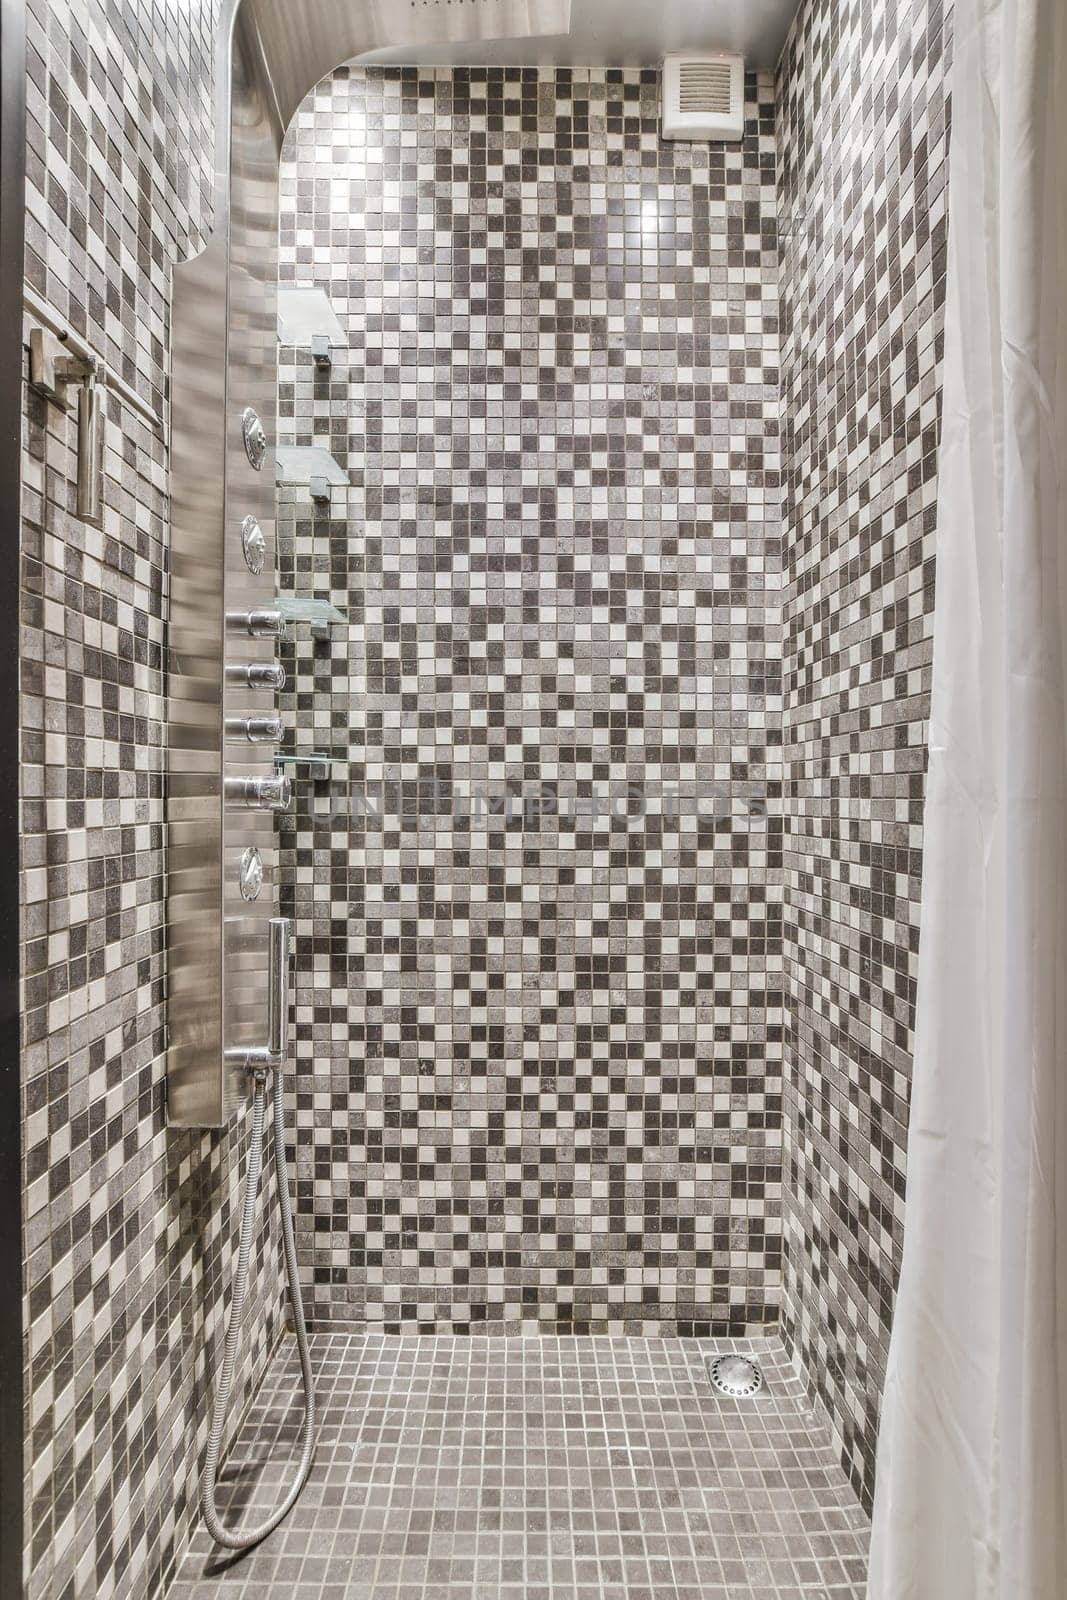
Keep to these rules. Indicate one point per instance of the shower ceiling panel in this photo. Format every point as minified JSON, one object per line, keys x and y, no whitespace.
{"x":616,"y":33}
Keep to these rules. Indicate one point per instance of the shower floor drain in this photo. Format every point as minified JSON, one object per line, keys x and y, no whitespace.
{"x":735,"y":1375}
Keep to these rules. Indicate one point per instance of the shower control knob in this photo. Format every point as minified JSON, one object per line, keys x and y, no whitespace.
{"x":271,"y":793}
{"x":261,"y":624}
{"x":256,"y":674}
{"x":253,"y":545}
{"x":257,"y":729}
{"x":254,"y":435}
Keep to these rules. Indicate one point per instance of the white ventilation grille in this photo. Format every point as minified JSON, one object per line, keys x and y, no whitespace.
{"x":703,"y":97}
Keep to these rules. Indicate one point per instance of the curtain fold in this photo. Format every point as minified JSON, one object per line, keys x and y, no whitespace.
{"x":971,"y":1487}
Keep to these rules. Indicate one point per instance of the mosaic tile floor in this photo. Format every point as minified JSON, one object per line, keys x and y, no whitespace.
{"x":519,"y":1468}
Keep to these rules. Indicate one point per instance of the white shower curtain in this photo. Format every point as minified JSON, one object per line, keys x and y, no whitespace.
{"x":971,"y":1490}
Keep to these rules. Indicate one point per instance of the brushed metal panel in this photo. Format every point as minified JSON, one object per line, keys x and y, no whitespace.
{"x":194,"y":775}
{"x":225,"y":358}
{"x":252,"y":358}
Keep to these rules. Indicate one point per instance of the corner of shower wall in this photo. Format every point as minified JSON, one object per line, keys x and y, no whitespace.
{"x":862,"y":117}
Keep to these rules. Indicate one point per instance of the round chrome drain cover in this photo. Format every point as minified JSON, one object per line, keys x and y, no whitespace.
{"x":735,"y":1375}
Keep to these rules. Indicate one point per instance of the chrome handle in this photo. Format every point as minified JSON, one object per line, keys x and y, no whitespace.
{"x":260,"y":794}
{"x":258,"y":1059}
{"x":281,"y":930}
{"x":256,"y":674}
{"x":90,"y":489}
{"x":254,"y":435}
{"x":260,"y":623}
{"x":265,"y":729}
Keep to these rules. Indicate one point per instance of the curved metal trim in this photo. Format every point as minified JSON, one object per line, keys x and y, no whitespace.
{"x":302,"y":42}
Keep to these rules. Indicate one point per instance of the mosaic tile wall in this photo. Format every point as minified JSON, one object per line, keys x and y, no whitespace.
{"x":539,"y":1039}
{"x":863,"y":128}
{"x":124,"y":1221}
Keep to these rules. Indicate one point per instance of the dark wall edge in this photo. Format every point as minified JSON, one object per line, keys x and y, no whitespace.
{"x":12,"y":211}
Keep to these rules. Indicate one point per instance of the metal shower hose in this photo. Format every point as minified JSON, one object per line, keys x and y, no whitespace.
{"x":245,"y":1538}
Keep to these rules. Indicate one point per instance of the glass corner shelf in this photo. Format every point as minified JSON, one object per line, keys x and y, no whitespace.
{"x":319,"y":764}
{"x":306,"y":315}
{"x":308,"y":467}
{"x":320,"y":615}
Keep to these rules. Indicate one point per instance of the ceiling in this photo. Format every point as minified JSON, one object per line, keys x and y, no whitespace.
{"x":627,"y":33}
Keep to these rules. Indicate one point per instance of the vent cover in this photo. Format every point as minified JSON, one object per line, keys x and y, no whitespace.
{"x":703,"y":97}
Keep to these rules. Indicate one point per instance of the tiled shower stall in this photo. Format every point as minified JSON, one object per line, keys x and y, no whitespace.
{"x":606,"y":912}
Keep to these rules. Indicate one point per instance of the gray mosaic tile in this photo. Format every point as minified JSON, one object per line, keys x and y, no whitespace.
{"x":863,"y":124}
{"x":539,"y":1468}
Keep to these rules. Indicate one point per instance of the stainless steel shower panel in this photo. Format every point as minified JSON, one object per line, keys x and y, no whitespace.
{"x":222,"y":792}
